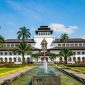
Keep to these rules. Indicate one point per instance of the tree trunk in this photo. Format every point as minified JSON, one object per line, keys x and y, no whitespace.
{"x":23,"y":59}
{"x":23,"y":38}
{"x":37,"y":59}
{"x":65,"y":59}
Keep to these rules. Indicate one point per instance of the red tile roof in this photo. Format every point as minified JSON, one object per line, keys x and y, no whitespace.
{"x":46,"y":54}
{"x":71,"y":48}
{"x":72,"y":40}
{"x":12,"y":48}
{"x":18,"y":41}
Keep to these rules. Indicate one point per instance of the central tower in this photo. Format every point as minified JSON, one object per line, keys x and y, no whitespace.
{"x":44,"y":45}
{"x":43,"y":32}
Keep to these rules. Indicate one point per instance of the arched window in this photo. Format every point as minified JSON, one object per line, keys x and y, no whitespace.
{"x":10,"y":53}
{"x":41,"y":33}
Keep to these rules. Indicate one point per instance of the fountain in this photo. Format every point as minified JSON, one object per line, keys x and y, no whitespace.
{"x":45,"y":66}
{"x":46,"y":76}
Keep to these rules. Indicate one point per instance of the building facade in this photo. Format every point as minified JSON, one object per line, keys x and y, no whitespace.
{"x":53,"y":46}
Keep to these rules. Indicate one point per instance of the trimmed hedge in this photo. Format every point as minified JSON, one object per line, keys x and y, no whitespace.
{"x":75,"y":65}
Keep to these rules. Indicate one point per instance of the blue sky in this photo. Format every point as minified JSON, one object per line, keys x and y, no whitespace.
{"x":61,"y":15}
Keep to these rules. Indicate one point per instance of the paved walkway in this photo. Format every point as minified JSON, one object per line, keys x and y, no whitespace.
{"x":77,"y":75}
{"x":81,"y":75}
{"x":13,"y":75}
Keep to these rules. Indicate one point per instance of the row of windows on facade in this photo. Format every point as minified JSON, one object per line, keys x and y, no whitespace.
{"x":10,"y":45}
{"x":72,"y":44}
{"x":10,"y":53}
{"x":67,"y":44}
{"x":43,"y":33}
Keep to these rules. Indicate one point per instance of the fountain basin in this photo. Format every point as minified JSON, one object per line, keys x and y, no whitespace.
{"x":46,"y":78}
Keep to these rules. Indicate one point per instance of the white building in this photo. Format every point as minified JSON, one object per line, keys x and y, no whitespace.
{"x":77,"y":45}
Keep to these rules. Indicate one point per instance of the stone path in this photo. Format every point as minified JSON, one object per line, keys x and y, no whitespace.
{"x":77,"y":75}
{"x":81,"y":75}
{"x":12,"y":76}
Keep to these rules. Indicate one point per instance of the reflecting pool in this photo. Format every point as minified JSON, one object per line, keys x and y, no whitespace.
{"x":26,"y":78}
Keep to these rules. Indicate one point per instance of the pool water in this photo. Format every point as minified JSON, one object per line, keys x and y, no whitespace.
{"x":25,"y":79}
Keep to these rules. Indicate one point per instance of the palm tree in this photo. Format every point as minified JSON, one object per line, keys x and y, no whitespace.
{"x":23,"y":48}
{"x":1,"y":41}
{"x":65,"y":52}
{"x":64,"y":37}
{"x":23,"y":33}
{"x":35,"y":56}
{"x":52,"y":57}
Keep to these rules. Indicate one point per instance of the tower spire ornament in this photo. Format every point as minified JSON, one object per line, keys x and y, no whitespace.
{"x":44,"y":46}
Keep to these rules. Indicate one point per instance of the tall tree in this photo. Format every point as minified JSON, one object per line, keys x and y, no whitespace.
{"x":23,"y":33}
{"x":52,"y":57}
{"x":1,"y":39}
{"x":65,"y":52}
{"x":35,"y":56}
{"x":64,"y":37}
{"x":23,"y":48}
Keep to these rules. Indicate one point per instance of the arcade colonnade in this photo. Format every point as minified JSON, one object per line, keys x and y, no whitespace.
{"x":28,"y":59}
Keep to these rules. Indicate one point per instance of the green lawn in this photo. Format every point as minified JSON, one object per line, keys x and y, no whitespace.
{"x":26,"y":78}
{"x":79,"y":69}
{"x":8,"y":69}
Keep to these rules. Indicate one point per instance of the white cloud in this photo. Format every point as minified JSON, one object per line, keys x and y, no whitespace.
{"x":60,"y":28}
{"x":83,"y":37}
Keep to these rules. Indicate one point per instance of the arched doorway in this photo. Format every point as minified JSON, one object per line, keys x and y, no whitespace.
{"x":42,"y":59}
{"x":1,"y":60}
{"x":28,"y":60}
{"x":23,"y":59}
{"x":83,"y":59}
{"x":74,"y":59}
{"x":79,"y":60}
{"x":19,"y":59}
{"x":10,"y":60}
{"x":14,"y":59}
{"x":69,"y":59}
{"x":61,"y":60}
{"x":5,"y":60}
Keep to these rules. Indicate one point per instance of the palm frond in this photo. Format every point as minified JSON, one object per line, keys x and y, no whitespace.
{"x":1,"y":38}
